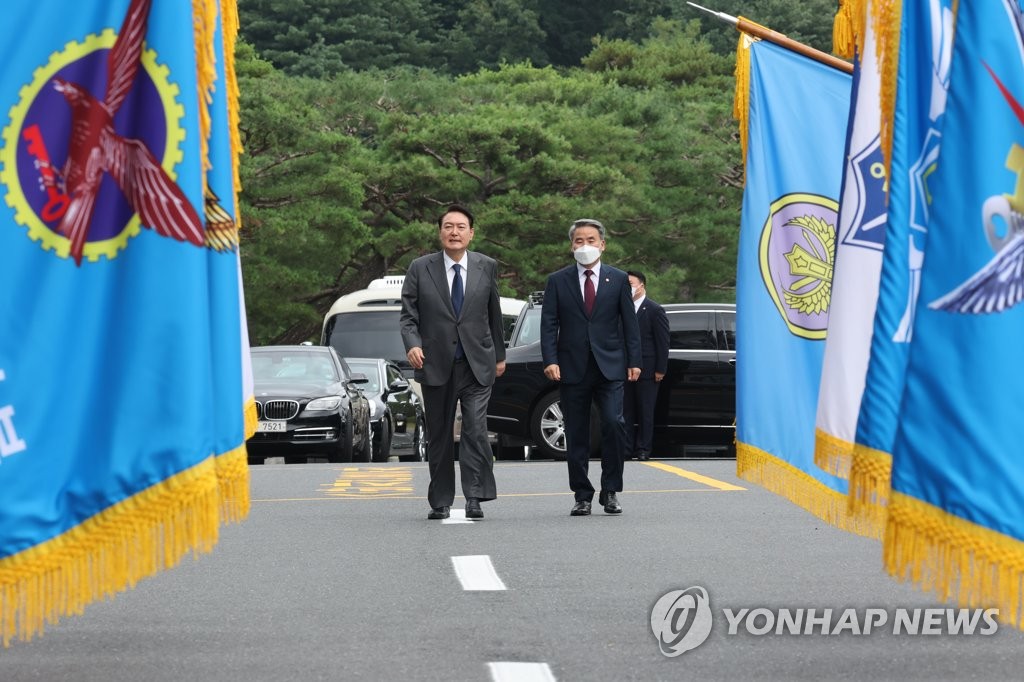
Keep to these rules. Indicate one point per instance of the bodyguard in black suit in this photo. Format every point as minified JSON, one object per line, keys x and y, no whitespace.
{"x":452,"y":330}
{"x":640,"y":396}
{"x":590,"y":343}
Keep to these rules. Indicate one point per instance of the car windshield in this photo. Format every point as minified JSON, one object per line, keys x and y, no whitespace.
{"x":372,"y":374}
{"x":529,"y":328}
{"x":285,"y":365}
{"x":368,"y":334}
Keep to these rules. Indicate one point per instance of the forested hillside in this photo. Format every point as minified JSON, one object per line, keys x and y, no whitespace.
{"x":361,"y":120}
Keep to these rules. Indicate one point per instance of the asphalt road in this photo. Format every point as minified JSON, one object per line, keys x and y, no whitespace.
{"x":338,"y":575}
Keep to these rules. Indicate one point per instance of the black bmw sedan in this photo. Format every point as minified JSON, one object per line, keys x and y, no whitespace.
{"x":309,"y":405}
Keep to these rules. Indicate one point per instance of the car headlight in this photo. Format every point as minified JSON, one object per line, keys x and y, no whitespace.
{"x":373,"y":407}
{"x":329,"y":404}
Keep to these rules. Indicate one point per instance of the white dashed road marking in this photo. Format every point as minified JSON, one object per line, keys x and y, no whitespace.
{"x":457,"y":516}
{"x":507,"y":671}
{"x":477,"y":573}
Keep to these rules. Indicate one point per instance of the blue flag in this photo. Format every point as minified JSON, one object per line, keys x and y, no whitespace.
{"x":956,"y":510}
{"x":797,"y":120}
{"x":922,"y":77}
{"x":122,"y":429}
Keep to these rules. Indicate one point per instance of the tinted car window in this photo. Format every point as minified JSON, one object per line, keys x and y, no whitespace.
{"x":299,"y":366}
{"x":370,"y":369}
{"x":529,"y":328}
{"x":368,"y":334}
{"x":727,"y":331}
{"x":691,"y":331}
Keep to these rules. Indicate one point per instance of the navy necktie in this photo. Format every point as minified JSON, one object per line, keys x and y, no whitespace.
{"x":589,"y":293}
{"x":457,"y":297}
{"x":457,"y":293}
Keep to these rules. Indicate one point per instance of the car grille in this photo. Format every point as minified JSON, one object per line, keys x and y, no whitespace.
{"x":278,"y":409}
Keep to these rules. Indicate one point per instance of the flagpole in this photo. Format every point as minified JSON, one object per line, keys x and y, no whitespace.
{"x":759,"y":31}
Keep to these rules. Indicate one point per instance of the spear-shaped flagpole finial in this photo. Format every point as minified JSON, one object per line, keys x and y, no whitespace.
{"x":727,"y":18}
{"x":758,"y":31}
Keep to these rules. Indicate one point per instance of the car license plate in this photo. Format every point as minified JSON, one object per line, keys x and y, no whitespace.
{"x":271,"y":426}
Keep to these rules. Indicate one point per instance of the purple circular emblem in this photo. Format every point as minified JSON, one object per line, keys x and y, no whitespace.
{"x":797,"y":254}
{"x":47,"y":130}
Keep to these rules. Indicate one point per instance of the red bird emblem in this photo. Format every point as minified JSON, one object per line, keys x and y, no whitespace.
{"x":95,"y":148}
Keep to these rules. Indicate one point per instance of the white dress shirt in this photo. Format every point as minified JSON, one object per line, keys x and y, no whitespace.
{"x":450,"y":271}
{"x":581,"y":271}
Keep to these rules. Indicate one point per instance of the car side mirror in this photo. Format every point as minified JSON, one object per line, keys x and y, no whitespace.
{"x":399,"y":384}
{"x":358,"y":378}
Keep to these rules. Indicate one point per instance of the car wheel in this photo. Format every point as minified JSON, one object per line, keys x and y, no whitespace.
{"x":382,"y":444}
{"x":344,"y":452}
{"x":364,"y":448}
{"x":547,"y":426}
{"x":419,"y":442}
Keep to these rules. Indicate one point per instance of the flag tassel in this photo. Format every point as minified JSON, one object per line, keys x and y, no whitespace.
{"x":115,"y":549}
{"x":957,"y":560}
{"x":800,"y":488}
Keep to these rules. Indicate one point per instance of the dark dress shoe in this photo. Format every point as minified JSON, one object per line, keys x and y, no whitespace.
{"x":438,"y":513}
{"x":473,"y":510}
{"x":643,"y":457}
{"x":581,"y":508}
{"x":611,"y":504}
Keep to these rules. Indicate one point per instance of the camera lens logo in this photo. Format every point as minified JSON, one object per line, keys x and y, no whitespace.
{"x":681,"y":620}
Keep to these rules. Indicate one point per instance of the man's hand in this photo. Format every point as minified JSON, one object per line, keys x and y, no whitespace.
{"x":553,"y":372}
{"x":633,"y":373}
{"x":415,"y":356}
{"x":658,"y":376}
{"x":499,"y":369}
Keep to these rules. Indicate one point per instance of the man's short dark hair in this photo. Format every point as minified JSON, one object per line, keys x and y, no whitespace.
{"x":455,"y":208}
{"x":639,"y":275}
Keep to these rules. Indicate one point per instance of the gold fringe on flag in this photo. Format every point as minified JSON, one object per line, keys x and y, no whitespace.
{"x":847,"y":26}
{"x":799,"y":487}
{"x":832,"y":454}
{"x":954,"y":558}
{"x":741,"y":97}
{"x":204,"y":18}
{"x":870,"y":477}
{"x":229,"y":25}
{"x":886,"y":16}
{"x":251,"y":420}
{"x":233,"y":477}
{"x":204,"y":24}
{"x":111,"y":551}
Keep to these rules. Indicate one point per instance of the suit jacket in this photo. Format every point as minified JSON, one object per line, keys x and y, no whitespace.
{"x":611,"y":333}
{"x":428,"y":319}
{"x":654,"y":338}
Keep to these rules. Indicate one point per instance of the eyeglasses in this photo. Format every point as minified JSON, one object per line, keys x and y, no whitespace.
{"x":461,"y":227}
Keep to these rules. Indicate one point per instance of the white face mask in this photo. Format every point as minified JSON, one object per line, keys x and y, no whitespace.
{"x":587,"y":254}
{"x":633,"y":290}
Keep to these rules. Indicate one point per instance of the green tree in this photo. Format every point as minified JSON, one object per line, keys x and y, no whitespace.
{"x":343,"y":178}
{"x":322,"y":37}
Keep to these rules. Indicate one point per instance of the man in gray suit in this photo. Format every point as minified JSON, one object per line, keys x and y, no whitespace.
{"x":452,"y":331}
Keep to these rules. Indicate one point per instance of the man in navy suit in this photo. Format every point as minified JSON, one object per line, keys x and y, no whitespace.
{"x":590,"y":342}
{"x":639,"y":397}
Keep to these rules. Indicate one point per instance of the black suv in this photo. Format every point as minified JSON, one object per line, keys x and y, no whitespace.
{"x":696,"y":410}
